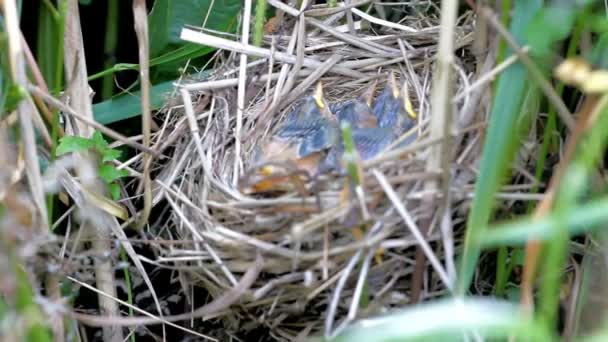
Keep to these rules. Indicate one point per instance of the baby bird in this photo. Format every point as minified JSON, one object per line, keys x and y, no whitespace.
{"x":298,"y":148}
{"x":393,"y":109}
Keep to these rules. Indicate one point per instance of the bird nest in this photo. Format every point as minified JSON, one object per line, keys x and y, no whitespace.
{"x":320,"y":259}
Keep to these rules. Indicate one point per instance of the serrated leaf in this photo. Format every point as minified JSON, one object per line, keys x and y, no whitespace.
{"x":98,"y":141}
{"x":109,"y":154}
{"x":110,"y":173}
{"x":72,"y":143}
{"x":114,"y":191}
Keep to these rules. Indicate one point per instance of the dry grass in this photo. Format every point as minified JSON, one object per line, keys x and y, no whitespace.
{"x":315,"y":272}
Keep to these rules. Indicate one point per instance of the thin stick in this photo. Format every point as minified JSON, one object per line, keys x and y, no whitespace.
{"x":78,"y":91}
{"x":141,"y":30}
{"x":103,"y":129}
{"x":397,"y":203}
{"x":335,"y":297}
{"x":382,"y":22}
{"x":322,"y":12}
{"x":353,"y":40}
{"x":231,"y":82}
{"x":441,"y":123}
{"x":312,"y":78}
{"x":215,"y":306}
{"x":221,"y":43}
{"x":487,"y":77}
{"x":241,"y":93}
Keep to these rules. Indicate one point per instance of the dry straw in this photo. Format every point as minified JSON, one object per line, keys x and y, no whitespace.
{"x":315,"y":273}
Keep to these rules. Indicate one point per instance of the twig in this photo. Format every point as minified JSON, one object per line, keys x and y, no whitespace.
{"x":353,"y":40}
{"x":78,"y":91}
{"x":533,"y":247}
{"x":489,"y":76}
{"x":231,"y":82}
{"x":361,"y":282}
{"x":220,"y":43}
{"x":103,"y":129}
{"x":322,"y":12}
{"x":349,"y":18}
{"x":382,"y":22}
{"x":284,"y":7}
{"x":141,"y":29}
{"x":535,"y":72}
{"x":392,"y":195}
{"x":240,"y":106}
{"x":335,"y":297}
{"x":221,"y":303}
{"x":312,"y":78}
{"x":441,"y":125}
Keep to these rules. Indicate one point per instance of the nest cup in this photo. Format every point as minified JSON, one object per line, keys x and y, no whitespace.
{"x":318,"y":267}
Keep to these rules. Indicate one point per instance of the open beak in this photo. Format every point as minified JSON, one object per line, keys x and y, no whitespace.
{"x":407,"y":104}
{"x":368,"y":95}
{"x":319,"y":97}
{"x":321,"y":103}
{"x":392,"y":83}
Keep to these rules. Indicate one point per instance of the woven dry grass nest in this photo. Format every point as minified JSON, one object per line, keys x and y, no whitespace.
{"x":314,"y":272}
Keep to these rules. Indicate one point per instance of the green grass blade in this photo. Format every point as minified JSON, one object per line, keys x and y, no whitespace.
{"x":582,"y":219}
{"x":129,"y":105}
{"x":448,"y":320}
{"x":498,"y":147}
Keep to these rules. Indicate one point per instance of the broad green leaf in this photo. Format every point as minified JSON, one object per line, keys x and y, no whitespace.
{"x":447,"y":320}
{"x":598,"y":23}
{"x":47,"y":38}
{"x":114,"y":191}
{"x":4,"y":86}
{"x":499,"y":145}
{"x":550,"y":25}
{"x":72,"y":143}
{"x":110,"y":173}
{"x":167,"y":18}
{"x":599,"y":54}
{"x":109,"y":154}
{"x":587,"y":217}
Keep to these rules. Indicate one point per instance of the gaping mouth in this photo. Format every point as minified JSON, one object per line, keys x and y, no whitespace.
{"x":272,"y":178}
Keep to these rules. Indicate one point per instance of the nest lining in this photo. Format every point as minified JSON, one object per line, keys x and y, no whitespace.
{"x":312,"y":263}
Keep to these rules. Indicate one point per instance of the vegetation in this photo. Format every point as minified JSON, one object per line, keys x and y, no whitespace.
{"x":516,"y":251}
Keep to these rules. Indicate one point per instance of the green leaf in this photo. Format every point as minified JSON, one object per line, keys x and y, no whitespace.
{"x":581,"y":219}
{"x":499,"y":146}
{"x":126,"y":106}
{"x":98,"y":140}
{"x":551,"y":24}
{"x":114,"y":191}
{"x":448,"y":320}
{"x":513,"y":293}
{"x":71,"y":143}
{"x":168,"y":17}
{"x":599,"y":54}
{"x":109,"y":154}
{"x":110,"y":173}
{"x":518,"y":257}
{"x":47,"y":40}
